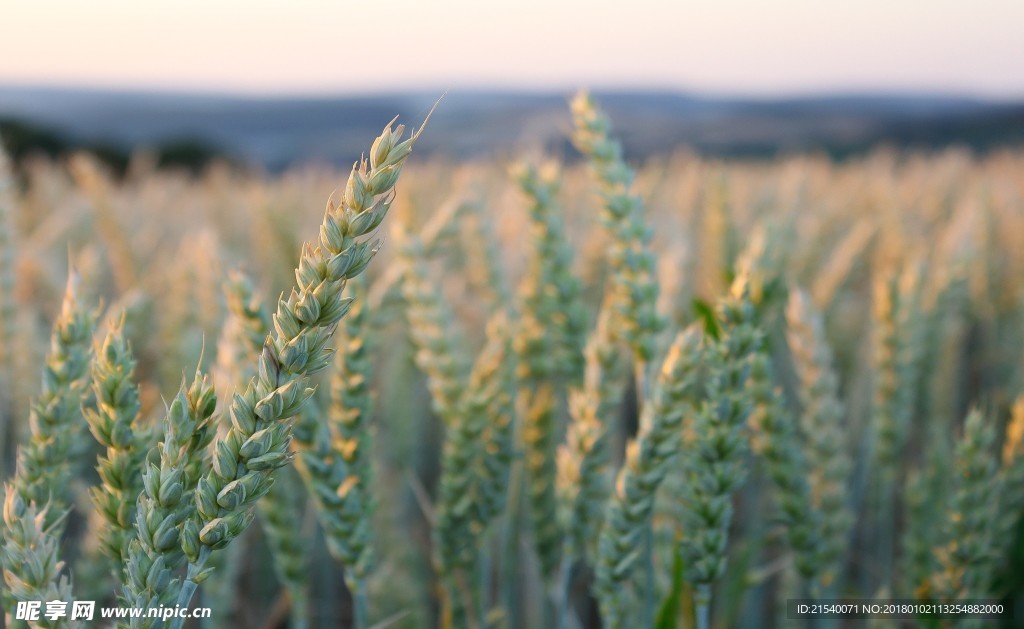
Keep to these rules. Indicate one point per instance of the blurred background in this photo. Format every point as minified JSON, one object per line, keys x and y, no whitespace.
{"x":855,"y":143}
{"x":271,"y":84}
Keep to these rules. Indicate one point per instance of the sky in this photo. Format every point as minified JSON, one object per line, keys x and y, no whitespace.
{"x":735,"y":47}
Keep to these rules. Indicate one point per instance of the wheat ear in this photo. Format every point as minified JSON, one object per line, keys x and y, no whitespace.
{"x":242,"y":335}
{"x":438,"y":354}
{"x":716,"y":466}
{"x":114,"y":422}
{"x":37,"y":498}
{"x":324,"y":463}
{"x":778,"y":443}
{"x":634,"y":286}
{"x":257,"y":442}
{"x":974,"y":516}
{"x":483,"y":266}
{"x":475,"y":466}
{"x":280,"y":513}
{"x":629,"y":511}
{"x":32,"y":568}
{"x":822,"y":431}
{"x":554,"y":318}
{"x":438,"y":233}
{"x":548,"y":343}
{"x":583,"y":461}
{"x":165,"y":501}
{"x":90,"y":177}
{"x":44,"y":469}
{"x":584,"y":475}
{"x":895,"y":313}
{"x":334,"y":459}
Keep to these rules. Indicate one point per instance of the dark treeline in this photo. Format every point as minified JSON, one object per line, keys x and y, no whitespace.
{"x":189,"y":132}
{"x":23,"y":140}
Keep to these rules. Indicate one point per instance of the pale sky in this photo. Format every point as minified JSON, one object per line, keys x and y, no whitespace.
{"x":751,"y":47}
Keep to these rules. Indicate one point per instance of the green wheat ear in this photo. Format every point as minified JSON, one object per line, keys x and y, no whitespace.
{"x":475,"y":466}
{"x":438,"y":353}
{"x":716,"y":466}
{"x":165,"y":502}
{"x":634,"y":285}
{"x":347,"y":511}
{"x":629,"y":511}
{"x":822,"y":431}
{"x":554,"y":319}
{"x":584,"y":459}
{"x":778,"y":443}
{"x":973,"y":519}
{"x":257,"y":443}
{"x":548,"y":344}
{"x":32,"y":569}
{"x":44,"y":467}
{"x":115,"y":423}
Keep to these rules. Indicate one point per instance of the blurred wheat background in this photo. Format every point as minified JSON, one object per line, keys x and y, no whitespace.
{"x":743,"y":325}
{"x":885,"y":296}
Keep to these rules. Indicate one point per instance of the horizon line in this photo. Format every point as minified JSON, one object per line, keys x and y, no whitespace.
{"x":125,"y":89}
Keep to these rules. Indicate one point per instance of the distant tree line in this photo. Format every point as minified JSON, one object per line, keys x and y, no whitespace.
{"x":23,"y":140}
{"x":980,"y":129}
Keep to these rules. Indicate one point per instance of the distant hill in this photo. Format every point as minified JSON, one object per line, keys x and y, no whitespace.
{"x":276,"y":132}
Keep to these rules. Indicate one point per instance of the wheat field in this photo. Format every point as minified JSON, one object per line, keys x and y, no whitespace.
{"x":514,"y":393}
